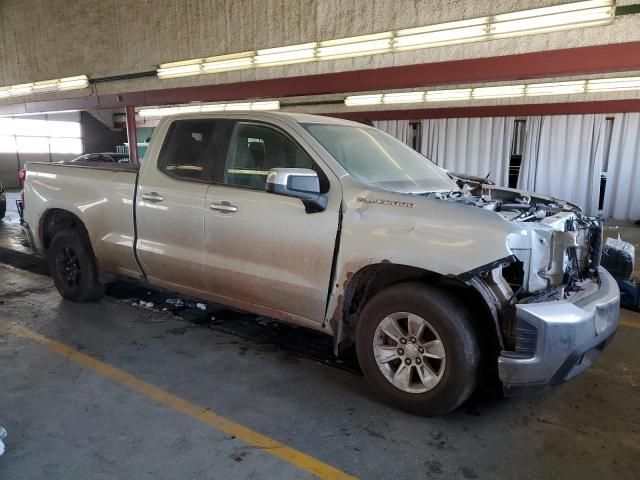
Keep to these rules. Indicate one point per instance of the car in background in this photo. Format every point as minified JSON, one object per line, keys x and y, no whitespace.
{"x":3,"y":202}
{"x":108,"y":157}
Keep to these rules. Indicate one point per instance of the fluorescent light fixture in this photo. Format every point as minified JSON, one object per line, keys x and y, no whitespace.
{"x":234,"y":107}
{"x":180,"y":69}
{"x":268,"y":105}
{"x":502,"y":91}
{"x":356,"y":100}
{"x":47,"y":86}
{"x":285,"y":55}
{"x":158,"y":112}
{"x":448,"y":95}
{"x":214,"y":107}
{"x":18,"y":90}
{"x":355,"y":46}
{"x":555,"y":88}
{"x":613,"y":84}
{"x":4,"y":92}
{"x":442,"y":34}
{"x":403,"y":97}
{"x":72,"y":83}
{"x":227,"y":63}
{"x":558,"y":17}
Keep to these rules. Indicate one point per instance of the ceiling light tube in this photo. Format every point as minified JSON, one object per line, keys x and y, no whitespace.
{"x":613,"y":84}
{"x":180,"y":69}
{"x":22,"y":89}
{"x":442,"y":34}
{"x":356,"y":100}
{"x":555,"y":88}
{"x":448,"y":95}
{"x":72,"y":83}
{"x":558,"y":17}
{"x":4,"y":92}
{"x":502,"y":91}
{"x":267,"y":105}
{"x":212,"y":107}
{"x":230,"y":107}
{"x":286,"y":55}
{"x":355,"y":46}
{"x":227,"y":63}
{"x":47,"y":86}
{"x":403,"y":97}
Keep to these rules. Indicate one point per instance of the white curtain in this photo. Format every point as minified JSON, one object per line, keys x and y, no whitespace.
{"x":474,"y":146}
{"x":563,"y":158}
{"x":622,"y":193}
{"x":396,"y":128}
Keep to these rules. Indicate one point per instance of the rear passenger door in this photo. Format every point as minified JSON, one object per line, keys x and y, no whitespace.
{"x":263,"y":251}
{"x":170,"y":202}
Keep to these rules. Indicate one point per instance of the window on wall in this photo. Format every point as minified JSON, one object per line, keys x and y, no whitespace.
{"x":608,"y":131}
{"x":517,"y":147}
{"x":47,"y":134}
{"x":415,"y":132}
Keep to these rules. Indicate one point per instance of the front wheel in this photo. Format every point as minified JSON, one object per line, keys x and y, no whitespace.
{"x":73,"y":266}
{"x":417,"y":349}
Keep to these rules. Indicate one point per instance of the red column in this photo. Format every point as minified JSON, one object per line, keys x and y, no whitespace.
{"x":131,"y":133}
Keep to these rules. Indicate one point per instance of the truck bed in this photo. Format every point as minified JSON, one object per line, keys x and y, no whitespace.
{"x":101,"y":194}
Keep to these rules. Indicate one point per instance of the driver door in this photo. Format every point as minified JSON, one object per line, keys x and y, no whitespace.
{"x":263,"y":250}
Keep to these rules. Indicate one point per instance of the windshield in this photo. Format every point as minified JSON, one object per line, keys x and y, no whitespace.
{"x":376,"y":158}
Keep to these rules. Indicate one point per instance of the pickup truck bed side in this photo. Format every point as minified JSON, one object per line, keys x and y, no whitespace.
{"x":103,"y":202}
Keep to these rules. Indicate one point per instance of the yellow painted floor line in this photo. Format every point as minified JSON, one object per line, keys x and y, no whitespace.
{"x":255,"y":439}
{"x":627,"y":323}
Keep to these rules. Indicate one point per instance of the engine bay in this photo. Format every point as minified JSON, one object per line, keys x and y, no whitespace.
{"x":557,"y":249}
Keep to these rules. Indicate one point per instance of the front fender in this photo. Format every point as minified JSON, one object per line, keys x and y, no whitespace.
{"x":436,"y":236}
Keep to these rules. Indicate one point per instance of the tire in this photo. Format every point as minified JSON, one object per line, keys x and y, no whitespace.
{"x":3,"y":207}
{"x":455,"y":374}
{"x":73,"y":266}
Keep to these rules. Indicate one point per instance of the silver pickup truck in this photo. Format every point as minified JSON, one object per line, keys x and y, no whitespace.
{"x":339,"y":227}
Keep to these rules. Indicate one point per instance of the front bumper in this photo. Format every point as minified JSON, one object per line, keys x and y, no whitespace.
{"x":564,"y":338}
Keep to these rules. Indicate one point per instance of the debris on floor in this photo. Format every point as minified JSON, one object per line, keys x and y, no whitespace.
{"x":178,"y":302}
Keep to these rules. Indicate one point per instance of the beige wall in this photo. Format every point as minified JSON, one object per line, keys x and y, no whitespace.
{"x":45,"y":39}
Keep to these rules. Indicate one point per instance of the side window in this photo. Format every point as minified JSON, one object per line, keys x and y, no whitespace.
{"x":255,"y":149}
{"x":192,"y":148}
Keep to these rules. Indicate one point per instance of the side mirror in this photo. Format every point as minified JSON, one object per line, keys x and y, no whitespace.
{"x":302,"y":183}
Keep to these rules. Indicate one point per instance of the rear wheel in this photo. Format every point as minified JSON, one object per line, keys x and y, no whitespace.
{"x":417,"y":349}
{"x":73,"y":266}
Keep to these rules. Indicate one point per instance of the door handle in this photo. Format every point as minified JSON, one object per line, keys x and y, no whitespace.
{"x":224,"y":207}
{"x":153,"y":197}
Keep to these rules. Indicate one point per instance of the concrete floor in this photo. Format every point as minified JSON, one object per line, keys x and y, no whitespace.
{"x":67,"y":421}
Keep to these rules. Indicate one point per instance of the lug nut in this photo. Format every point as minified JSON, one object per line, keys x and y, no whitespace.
{"x":400,"y":351}
{"x":418,"y":361}
{"x":408,"y":361}
{"x":413,"y":339}
{"x":403,"y":341}
{"x":421,"y":350}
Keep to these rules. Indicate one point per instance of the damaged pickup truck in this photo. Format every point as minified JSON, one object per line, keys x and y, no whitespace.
{"x":339,"y":227}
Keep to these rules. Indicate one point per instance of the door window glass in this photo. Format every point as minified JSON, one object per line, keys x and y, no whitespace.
{"x":256,"y":149}
{"x":192,"y":147}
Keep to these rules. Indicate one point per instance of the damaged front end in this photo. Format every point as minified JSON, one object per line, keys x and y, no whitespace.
{"x":555,"y":307}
